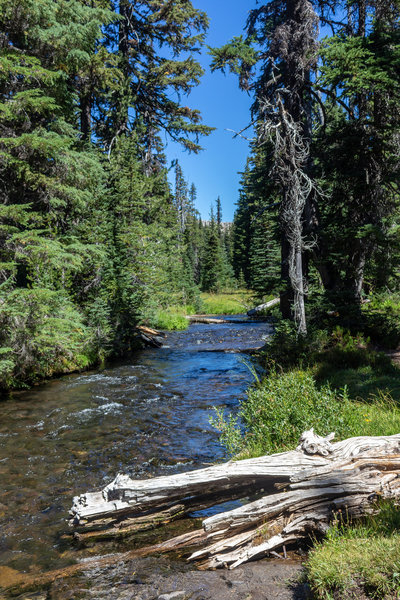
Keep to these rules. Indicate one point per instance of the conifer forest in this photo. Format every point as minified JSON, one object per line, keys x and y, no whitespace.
{"x":93,"y":237}
{"x":102,"y":239}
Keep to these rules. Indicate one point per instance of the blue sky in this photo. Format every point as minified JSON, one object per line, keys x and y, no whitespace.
{"x":215,"y":170}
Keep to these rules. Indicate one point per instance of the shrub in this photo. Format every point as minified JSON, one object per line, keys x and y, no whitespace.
{"x":286,"y":348}
{"x":42,"y":334}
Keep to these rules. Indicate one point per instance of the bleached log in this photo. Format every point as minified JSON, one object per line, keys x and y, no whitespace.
{"x":258,"y":309}
{"x":115,"y":528}
{"x":125,"y":496}
{"x":206,"y":320}
{"x":319,"y":478}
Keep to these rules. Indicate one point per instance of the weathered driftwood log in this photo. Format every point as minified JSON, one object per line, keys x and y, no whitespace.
{"x":205,"y":319}
{"x":319,"y":479}
{"x":258,"y":309}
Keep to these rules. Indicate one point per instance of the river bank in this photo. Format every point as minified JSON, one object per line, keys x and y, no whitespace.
{"x":160,"y":578}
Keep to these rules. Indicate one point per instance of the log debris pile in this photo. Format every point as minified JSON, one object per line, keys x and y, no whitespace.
{"x":298,"y":494}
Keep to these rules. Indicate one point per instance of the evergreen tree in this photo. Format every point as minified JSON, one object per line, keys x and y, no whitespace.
{"x":49,"y":187}
{"x":212,"y":267}
{"x":219,"y":216}
{"x":357,"y":145}
{"x":156,"y":44}
{"x":88,"y":245}
{"x":181,"y":197}
{"x":194,"y":237}
{"x":281,"y":39}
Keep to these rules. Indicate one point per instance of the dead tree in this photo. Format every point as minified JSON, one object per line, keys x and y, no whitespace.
{"x":298,"y":494}
{"x":283,"y":109}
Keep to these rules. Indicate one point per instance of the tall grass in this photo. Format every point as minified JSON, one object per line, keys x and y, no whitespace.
{"x":278,"y":410}
{"x":226,"y":303}
{"x":172,"y":318}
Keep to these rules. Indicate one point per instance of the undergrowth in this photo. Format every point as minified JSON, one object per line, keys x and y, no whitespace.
{"x":285,"y":404}
{"x":360,"y":560}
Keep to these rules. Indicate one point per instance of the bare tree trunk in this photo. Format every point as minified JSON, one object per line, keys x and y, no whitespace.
{"x":286,"y":295}
{"x":285,"y":112}
{"x":299,"y":305}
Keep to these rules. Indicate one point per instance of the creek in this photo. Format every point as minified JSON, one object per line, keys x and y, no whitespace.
{"x":147,"y":415}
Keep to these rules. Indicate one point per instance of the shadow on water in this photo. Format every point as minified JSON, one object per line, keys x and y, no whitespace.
{"x":146,"y":416}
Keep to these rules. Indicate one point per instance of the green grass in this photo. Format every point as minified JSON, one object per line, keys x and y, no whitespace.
{"x":382,"y":319}
{"x":351,"y":362}
{"x":358,"y":561}
{"x":362,"y":382}
{"x":282,"y":406}
{"x":172,"y":318}
{"x":226,"y":303}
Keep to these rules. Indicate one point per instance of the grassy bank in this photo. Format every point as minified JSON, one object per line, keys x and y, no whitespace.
{"x":172,"y":318}
{"x":282,"y":406}
{"x":359,"y":561}
{"x":332,"y":382}
{"x":226,"y":303}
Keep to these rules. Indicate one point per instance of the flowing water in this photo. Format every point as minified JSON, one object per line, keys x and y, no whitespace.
{"x":145,"y":416}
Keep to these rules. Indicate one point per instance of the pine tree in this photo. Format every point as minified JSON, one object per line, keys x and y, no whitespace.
{"x":219,"y":216}
{"x":49,"y":186}
{"x":356,"y":148}
{"x":212,"y":267}
{"x":284,"y":33}
{"x":156,"y":44}
{"x":181,"y":197}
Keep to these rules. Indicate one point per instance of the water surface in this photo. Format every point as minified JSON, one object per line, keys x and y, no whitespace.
{"x":145,"y":416}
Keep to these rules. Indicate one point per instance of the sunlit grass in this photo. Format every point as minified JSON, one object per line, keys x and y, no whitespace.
{"x":172,"y":318}
{"x":280,"y":408}
{"x":360,"y":560}
{"x":227,"y":303}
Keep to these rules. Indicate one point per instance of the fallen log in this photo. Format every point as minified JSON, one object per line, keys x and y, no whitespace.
{"x":258,"y":309}
{"x":319,"y":479}
{"x":206,"y":320}
{"x":151,"y":337}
